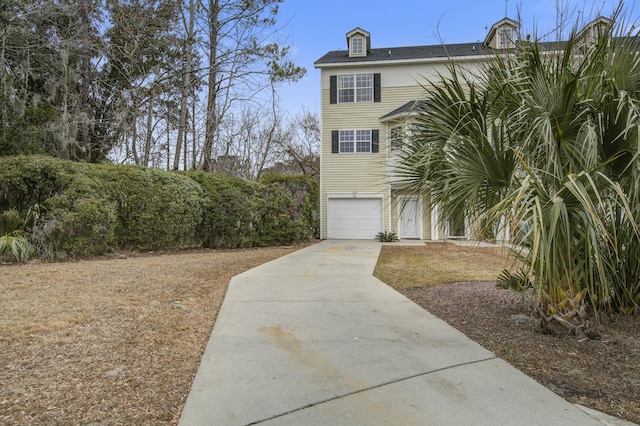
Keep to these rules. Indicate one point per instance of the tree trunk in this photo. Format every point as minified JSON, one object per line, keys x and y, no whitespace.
{"x":149,"y":139}
{"x":134,"y":139}
{"x":85,"y":71}
{"x":194,"y":142}
{"x":186,"y":82}
{"x":3,"y":84}
{"x":272,"y":130}
{"x":211,"y":125}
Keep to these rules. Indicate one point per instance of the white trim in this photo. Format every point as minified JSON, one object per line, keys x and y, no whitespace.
{"x":442,"y":59}
{"x":363,"y":46}
{"x":435,"y":222}
{"x":355,"y":88}
{"x":355,"y":195}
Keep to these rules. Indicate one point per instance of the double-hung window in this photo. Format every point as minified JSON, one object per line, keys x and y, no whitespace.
{"x":506,"y":39}
{"x":355,"y":141}
{"x":364,"y":87}
{"x":345,"y":88}
{"x":354,"y":88}
{"x":363,"y":140}
{"x":347,"y":139}
{"x":357,"y":46}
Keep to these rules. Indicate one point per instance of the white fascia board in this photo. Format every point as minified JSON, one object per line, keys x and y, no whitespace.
{"x":405,"y":61}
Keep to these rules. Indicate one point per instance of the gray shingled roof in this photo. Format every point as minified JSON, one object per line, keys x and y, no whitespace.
{"x":419,"y":52}
{"x":408,"y":108}
{"x":410,"y":52}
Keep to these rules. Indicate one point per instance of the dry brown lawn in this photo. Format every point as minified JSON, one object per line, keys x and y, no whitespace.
{"x":438,"y":263}
{"x":117,"y":341}
{"x":110,"y":341}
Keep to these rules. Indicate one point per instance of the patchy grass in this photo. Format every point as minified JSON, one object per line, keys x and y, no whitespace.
{"x":404,"y":267}
{"x":112,"y":341}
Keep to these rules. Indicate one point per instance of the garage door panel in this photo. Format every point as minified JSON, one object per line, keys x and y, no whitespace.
{"x":354,"y":218}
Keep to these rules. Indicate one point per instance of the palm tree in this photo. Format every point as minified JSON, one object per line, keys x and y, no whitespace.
{"x":543,"y":142}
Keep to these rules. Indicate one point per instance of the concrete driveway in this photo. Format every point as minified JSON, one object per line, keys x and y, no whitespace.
{"x":313,"y":338}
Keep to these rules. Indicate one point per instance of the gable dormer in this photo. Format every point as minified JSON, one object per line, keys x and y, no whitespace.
{"x":593,"y":31}
{"x":359,"y":42}
{"x":502,"y":34}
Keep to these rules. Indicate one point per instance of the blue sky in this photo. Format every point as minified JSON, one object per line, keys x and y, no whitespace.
{"x":315,"y":27}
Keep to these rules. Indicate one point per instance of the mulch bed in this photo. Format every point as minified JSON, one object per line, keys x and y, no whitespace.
{"x":603,"y":373}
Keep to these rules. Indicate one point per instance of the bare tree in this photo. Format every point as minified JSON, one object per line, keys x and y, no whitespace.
{"x":242,"y":60}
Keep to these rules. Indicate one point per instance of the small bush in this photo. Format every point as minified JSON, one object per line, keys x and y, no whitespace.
{"x":386,"y":237}
{"x":15,"y":247}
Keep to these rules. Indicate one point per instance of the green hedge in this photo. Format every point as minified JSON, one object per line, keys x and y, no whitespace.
{"x":88,"y":209}
{"x":304,"y":194}
{"x":230,"y":210}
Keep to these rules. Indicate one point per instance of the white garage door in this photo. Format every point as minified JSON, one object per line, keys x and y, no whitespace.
{"x":354,"y":218}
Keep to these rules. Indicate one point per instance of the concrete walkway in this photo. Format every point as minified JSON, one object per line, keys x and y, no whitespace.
{"x":313,"y":338}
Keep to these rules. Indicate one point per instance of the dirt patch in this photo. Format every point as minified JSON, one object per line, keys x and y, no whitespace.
{"x":110,"y":341}
{"x":603,"y":374}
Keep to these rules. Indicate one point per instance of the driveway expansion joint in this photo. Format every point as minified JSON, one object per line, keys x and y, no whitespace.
{"x":380,"y":385}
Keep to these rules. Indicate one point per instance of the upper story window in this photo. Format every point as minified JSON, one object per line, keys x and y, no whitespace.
{"x":357,"y":46}
{"x":395,"y":138}
{"x":502,"y":34}
{"x":358,"y":42}
{"x":594,"y":31}
{"x":355,"y":141}
{"x":506,"y":38}
{"x":355,"y":88}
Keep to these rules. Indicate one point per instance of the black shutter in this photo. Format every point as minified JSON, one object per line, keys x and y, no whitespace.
{"x":376,"y":87}
{"x":333,"y":89}
{"x":335,"y":142}
{"x":375,"y":144}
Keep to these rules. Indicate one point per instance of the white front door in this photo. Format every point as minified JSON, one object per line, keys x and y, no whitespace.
{"x":410,"y":217}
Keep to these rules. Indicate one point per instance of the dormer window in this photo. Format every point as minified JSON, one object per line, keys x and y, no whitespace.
{"x":357,"y":46}
{"x":502,"y":35}
{"x":506,"y":38}
{"x":594,"y":31}
{"x":359,"y":42}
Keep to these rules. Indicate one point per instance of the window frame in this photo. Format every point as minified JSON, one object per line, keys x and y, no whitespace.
{"x":355,"y":92}
{"x":396,"y":137}
{"x":506,"y":37}
{"x":358,"y":42}
{"x":356,"y":137}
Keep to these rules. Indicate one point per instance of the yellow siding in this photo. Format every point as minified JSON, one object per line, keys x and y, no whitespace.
{"x":366,"y":173}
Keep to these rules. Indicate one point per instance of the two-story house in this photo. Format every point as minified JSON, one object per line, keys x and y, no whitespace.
{"x":369,"y":96}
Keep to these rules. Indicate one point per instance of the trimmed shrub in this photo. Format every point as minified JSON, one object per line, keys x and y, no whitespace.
{"x":90,"y":209}
{"x":274,"y":223}
{"x":155,"y":209}
{"x":27,"y":181}
{"x":231,"y":209}
{"x":304,"y":193}
{"x":77,"y":209}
